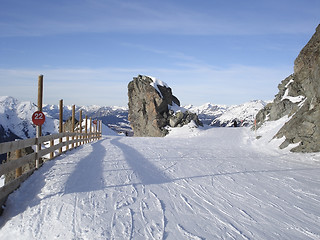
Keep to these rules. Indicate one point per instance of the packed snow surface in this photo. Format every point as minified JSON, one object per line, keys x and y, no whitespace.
{"x":196,"y":183}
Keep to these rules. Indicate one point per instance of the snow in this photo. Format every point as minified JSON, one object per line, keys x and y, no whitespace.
{"x":296,"y":99}
{"x":245,"y":112}
{"x":208,"y":109}
{"x":267,"y":132}
{"x":176,"y":108}
{"x":196,"y":183}
{"x":156,"y":82}
{"x":16,"y":116}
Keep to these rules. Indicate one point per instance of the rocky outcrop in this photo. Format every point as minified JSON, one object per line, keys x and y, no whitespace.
{"x":299,"y":98}
{"x":151,"y":104}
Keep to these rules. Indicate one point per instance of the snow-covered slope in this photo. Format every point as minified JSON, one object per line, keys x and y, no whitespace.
{"x":222,"y":115}
{"x":16,"y":117}
{"x":207,"y":112}
{"x":243,"y":114}
{"x":196,"y":183}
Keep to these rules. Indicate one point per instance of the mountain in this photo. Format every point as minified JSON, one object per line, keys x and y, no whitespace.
{"x":243,"y":114}
{"x":207,"y":112}
{"x":114,"y":117}
{"x":224,"y":116}
{"x":16,"y":123}
{"x":16,"y":118}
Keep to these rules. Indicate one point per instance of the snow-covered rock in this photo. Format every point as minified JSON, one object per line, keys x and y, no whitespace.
{"x":151,"y":108}
{"x":299,"y":98}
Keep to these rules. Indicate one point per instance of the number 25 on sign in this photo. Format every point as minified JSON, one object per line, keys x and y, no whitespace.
{"x":38,"y":118}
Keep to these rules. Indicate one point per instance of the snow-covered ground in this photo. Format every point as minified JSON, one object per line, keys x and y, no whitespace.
{"x":214,"y":183}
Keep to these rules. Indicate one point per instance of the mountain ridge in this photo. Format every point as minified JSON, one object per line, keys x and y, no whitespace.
{"x":16,"y":115}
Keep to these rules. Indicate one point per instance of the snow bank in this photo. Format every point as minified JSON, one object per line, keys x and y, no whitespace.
{"x":266,"y":133}
{"x":189,"y":130}
{"x":156,"y":82}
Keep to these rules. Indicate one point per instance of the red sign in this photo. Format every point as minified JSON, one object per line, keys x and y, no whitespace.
{"x":94,"y":122}
{"x":38,"y":118}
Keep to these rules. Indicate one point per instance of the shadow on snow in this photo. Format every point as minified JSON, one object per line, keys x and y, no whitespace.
{"x":145,"y":170}
{"x":88,"y":174}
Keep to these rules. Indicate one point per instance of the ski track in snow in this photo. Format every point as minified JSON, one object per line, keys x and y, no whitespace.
{"x":214,"y":184}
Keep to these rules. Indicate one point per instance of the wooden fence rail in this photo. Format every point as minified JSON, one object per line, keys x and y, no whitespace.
{"x":54,"y":150}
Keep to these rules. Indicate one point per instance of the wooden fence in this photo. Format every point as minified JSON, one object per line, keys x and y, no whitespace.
{"x":58,"y":143}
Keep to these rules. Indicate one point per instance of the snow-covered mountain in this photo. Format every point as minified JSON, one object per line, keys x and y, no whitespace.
{"x":114,"y":117}
{"x":207,"y":112}
{"x":243,"y":114}
{"x":224,"y":116}
{"x":16,"y":118}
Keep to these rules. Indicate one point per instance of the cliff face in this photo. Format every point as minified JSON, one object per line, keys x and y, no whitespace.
{"x":149,"y":103}
{"x":299,"y":98}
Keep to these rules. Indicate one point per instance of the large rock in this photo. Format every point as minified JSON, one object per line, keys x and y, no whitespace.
{"x":150,"y":103}
{"x":299,"y":98}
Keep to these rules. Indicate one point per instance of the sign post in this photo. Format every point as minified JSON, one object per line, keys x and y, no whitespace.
{"x":38,"y":118}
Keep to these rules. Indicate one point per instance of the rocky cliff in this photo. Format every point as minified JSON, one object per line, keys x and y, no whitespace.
{"x":299,"y":98}
{"x":151,"y":108}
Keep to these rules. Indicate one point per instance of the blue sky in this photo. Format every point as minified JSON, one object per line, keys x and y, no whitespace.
{"x":223,"y":52}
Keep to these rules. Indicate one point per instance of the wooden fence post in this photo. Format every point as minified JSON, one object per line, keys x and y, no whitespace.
{"x":73,"y":121}
{"x":67,"y":142}
{"x":51,"y":145}
{"x":40,"y":96}
{"x":86,"y":130}
{"x":80,"y":127}
{"x":95,"y":124}
{"x":60,"y":122}
{"x":18,"y":170}
{"x":100,"y":128}
{"x":90,"y":131}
